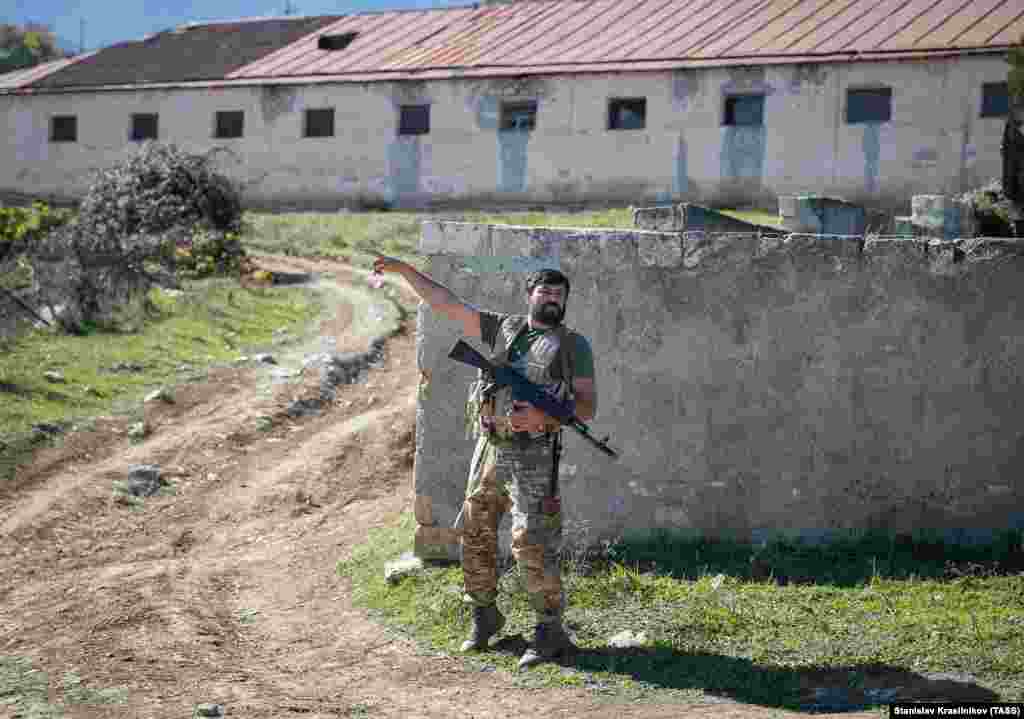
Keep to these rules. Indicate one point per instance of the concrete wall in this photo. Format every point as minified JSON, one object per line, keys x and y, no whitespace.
{"x":795,"y":384}
{"x":935,"y":143}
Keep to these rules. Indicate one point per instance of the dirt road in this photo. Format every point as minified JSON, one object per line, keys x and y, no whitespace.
{"x":224,"y":590}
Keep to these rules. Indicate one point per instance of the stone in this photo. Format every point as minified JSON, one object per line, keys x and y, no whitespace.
{"x":144,"y":480}
{"x":162,"y":394}
{"x":138,"y":430}
{"x":627,"y":639}
{"x":209,"y":710}
{"x":54,"y":376}
{"x":264,"y":358}
{"x":405,"y":566}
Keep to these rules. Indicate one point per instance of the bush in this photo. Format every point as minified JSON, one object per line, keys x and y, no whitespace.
{"x":161,"y":213}
{"x":992,"y":209}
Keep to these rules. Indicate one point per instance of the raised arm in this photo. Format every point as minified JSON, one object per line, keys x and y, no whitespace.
{"x":440,"y":298}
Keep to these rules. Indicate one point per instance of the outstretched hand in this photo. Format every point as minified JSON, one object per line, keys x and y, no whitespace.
{"x":383,"y":263}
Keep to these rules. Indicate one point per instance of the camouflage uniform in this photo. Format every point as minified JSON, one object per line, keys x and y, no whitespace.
{"x":512,"y":472}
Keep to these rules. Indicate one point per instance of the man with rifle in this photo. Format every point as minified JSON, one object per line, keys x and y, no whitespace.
{"x":515,"y":464}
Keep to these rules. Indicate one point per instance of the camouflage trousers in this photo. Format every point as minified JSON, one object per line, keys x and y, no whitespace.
{"x":517,"y":479}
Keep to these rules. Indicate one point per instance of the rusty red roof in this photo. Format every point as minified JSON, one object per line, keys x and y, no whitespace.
{"x":542,"y":37}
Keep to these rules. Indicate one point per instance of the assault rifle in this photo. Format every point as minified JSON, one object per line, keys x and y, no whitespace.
{"x":526,"y":391}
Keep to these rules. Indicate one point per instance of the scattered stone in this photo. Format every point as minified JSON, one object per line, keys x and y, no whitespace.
{"x":47,"y":429}
{"x":209,"y":710}
{"x":144,"y":480}
{"x":405,"y":566}
{"x":161,"y":394}
{"x":264,"y":358}
{"x":138,"y":430}
{"x":282,"y":373}
{"x":627,"y":639}
{"x":54,"y":376}
{"x":304,"y":407}
{"x":127,"y":367}
{"x":371,"y":400}
{"x":93,"y":392}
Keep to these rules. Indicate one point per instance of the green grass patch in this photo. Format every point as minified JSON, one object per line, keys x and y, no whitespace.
{"x":354,"y":236}
{"x":714,"y":631}
{"x":211,"y":321}
{"x":27,"y":691}
{"x":758,"y":217}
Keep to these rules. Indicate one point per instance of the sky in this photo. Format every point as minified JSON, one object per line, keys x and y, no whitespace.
{"x":112,"y":21}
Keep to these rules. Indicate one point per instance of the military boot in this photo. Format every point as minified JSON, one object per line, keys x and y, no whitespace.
{"x":550,"y":641}
{"x":487,"y":621}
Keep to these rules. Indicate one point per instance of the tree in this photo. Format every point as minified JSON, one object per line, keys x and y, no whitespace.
{"x":28,"y":45}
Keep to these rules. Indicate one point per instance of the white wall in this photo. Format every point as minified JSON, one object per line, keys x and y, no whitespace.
{"x":936,"y":142}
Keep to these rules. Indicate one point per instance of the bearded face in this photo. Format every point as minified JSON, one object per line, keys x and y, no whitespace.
{"x":547,"y":304}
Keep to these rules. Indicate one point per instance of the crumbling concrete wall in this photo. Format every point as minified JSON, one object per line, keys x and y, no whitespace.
{"x":756,"y":385}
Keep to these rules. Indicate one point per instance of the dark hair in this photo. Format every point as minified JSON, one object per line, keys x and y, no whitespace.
{"x":546,"y":277}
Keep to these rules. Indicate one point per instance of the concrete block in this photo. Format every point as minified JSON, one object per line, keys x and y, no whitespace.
{"x":661,"y":219}
{"x":943,"y":216}
{"x":822,"y":216}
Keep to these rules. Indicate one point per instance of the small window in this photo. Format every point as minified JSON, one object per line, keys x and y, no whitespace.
{"x":995,"y":99}
{"x":320,"y":123}
{"x":336,"y":42}
{"x":627,"y":114}
{"x":744,"y":110}
{"x":144,"y":126}
{"x":229,"y":124}
{"x":519,"y":115}
{"x":64,"y":128}
{"x":414,"y":120}
{"x":869,"y":105}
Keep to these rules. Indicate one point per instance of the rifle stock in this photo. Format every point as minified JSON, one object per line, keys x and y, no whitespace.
{"x":525,"y":390}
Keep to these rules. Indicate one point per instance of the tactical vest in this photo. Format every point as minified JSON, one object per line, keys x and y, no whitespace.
{"x":549,"y":360}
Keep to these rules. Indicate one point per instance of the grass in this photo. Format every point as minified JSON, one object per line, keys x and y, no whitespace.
{"x":867,"y":615}
{"x":211,"y":322}
{"x":28,"y":691}
{"x":354,"y":236}
{"x":758,"y":217}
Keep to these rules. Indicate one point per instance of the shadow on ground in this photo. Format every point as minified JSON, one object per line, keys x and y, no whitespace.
{"x":853,"y":688}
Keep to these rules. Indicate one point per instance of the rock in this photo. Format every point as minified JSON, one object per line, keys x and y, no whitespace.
{"x":627,"y":639}
{"x":47,"y":429}
{"x":264,"y":358}
{"x":304,"y":407}
{"x":209,"y":710}
{"x":405,"y":566}
{"x":138,"y":430}
{"x":54,"y":376}
{"x":144,"y":480}
{"x":161,"y":394}
{"x":127,"y":367}
{"x":93,"y":392}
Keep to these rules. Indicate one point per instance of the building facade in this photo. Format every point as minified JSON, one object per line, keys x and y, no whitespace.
{"x":732,"y":131}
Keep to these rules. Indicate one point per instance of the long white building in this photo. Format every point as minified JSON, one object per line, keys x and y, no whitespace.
{"x":620,"y":101}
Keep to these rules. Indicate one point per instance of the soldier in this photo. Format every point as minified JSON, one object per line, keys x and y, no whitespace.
{"x":517,"y":451}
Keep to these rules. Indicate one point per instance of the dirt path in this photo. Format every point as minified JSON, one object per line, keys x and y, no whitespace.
{"x":225,"y":590}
